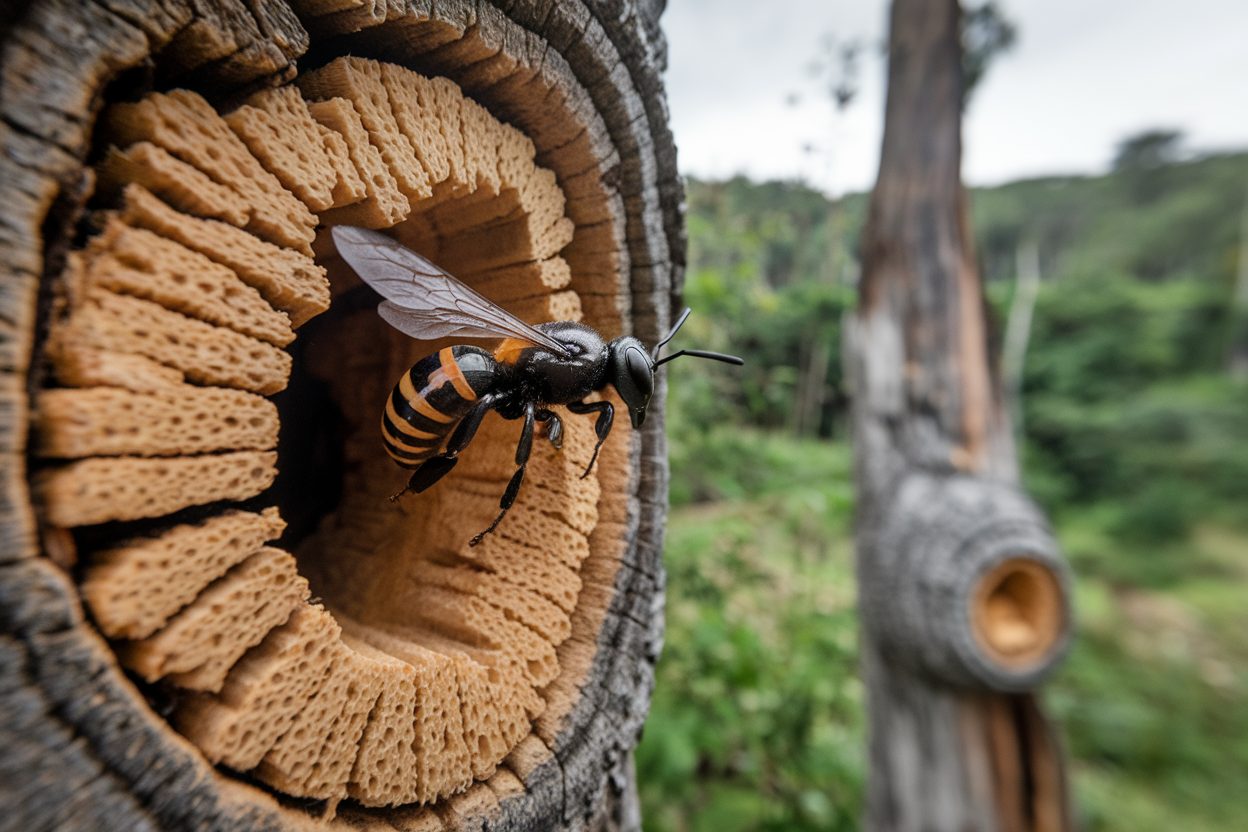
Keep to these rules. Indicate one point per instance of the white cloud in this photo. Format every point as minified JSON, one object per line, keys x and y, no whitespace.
{"x":1084,"y":74}
{"x":732,"y":68}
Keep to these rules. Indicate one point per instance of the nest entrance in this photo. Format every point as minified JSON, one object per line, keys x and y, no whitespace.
{"x":1017,"y":614}
{"x":428,"y":661}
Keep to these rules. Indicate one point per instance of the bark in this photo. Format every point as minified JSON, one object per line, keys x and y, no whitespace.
{"x":963,"y":591}
{"x":85,"y":744}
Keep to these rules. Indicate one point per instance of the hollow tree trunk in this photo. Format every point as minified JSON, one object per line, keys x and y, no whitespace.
{"x":189,"y":372}
{"x":963,"y":592}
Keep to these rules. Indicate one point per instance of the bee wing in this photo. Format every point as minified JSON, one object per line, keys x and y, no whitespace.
{"x":423,"y":300}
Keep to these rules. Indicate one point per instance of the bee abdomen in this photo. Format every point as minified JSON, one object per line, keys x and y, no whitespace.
{"x":429,"y":401}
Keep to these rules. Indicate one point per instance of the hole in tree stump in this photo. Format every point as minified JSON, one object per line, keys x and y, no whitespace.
{"x":164,"y":537}
{"x":422,"y":662}
{"x":1017,"y":614}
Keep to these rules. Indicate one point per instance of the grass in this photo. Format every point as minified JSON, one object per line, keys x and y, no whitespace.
{"x":757,"y":721}
{"x":1154,"y":696}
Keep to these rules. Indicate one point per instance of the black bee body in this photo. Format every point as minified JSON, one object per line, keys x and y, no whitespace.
{"x":437,"y":406}
{"x":440,"y":390}
{"x":542,"y":376}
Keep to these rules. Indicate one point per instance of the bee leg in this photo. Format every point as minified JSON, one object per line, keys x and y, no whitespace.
{"x":432,"y":470}
{"x":437,"y":467}
{"x":554,"y":427}
{"x":522,"y":461}
{"x":602,"y":427}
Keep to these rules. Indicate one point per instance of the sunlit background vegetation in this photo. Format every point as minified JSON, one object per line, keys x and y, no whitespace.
{"x":1135,"y":420}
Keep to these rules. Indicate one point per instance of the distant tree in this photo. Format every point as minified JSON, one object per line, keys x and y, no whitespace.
{"x":836,"y":69}
{"x":986,"y":33}
{"x":1148,"y":150}
{"x":1145,"y":162}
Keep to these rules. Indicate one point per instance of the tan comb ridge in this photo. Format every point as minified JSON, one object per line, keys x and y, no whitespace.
{"x":104,"y":320}
{"x":279,"y":131}
{"x":317,"y":755}
{"x":184,"y":186}
{"x":359,"y":81}
{"x":137,"y":262}
{"x":100,"y":489}
{"x":82,"y":365}
{"x":384,"y":204}
{"x":187,"y":126}
{"x":177,"y":420}
{"x":200,"y":644}
{"x":287,"y":279}
{"x":135,"y":588}
{"x":263,"y":692}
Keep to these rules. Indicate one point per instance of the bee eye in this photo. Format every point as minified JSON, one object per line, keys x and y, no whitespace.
{"x":639,"y":370}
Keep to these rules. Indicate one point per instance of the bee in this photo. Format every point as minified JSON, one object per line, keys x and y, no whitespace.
{"x":436,"y":407}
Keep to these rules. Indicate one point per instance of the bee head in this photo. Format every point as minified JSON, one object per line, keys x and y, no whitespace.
{"x":631,"y":371}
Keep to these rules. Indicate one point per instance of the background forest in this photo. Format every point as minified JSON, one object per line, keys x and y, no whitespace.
{"x":1134,"y":437}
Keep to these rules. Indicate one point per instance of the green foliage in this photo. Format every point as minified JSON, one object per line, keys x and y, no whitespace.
{"x":1153,"y":702}
{"x":1132,"y":421}
{"x":757,"y":716}
{"x":1136,"y":442}
{"x":986,"y":33}
{"x":1091,"y":228}
{"x":1124,"y":404}
{"x":767,"y":281}
{"x":757,"y":724}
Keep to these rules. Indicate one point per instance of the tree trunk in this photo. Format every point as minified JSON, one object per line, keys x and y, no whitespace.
{"x":170,"y":171}
{"x":963,"y":593}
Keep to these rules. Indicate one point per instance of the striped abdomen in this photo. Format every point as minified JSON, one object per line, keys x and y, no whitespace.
{"x":430,"y":399}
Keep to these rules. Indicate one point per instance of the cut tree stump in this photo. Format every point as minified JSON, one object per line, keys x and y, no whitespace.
{"x":213,"y":617}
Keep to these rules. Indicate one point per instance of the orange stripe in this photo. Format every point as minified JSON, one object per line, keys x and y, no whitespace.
{"x":402,"y":424}
{"x":418,"y":403}
{"x":413,"y":445}
{"x":407,"y":463}
{"x":509,"y":351}
{"x":450,"y":371}
{"x":412,"y":449}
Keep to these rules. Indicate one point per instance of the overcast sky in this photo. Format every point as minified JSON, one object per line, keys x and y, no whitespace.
{"x":1083,"y":74}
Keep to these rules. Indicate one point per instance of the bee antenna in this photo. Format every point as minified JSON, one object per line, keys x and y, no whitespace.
{"x":654,"y":353}
{"x":714,"y":356}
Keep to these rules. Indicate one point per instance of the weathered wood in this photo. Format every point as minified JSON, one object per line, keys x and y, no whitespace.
{"x":962,"y":590}
{"x":563,"y":79}
{"x":48,"y":777}
{"x":922,"y":559}
{"x":634,"y":29}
